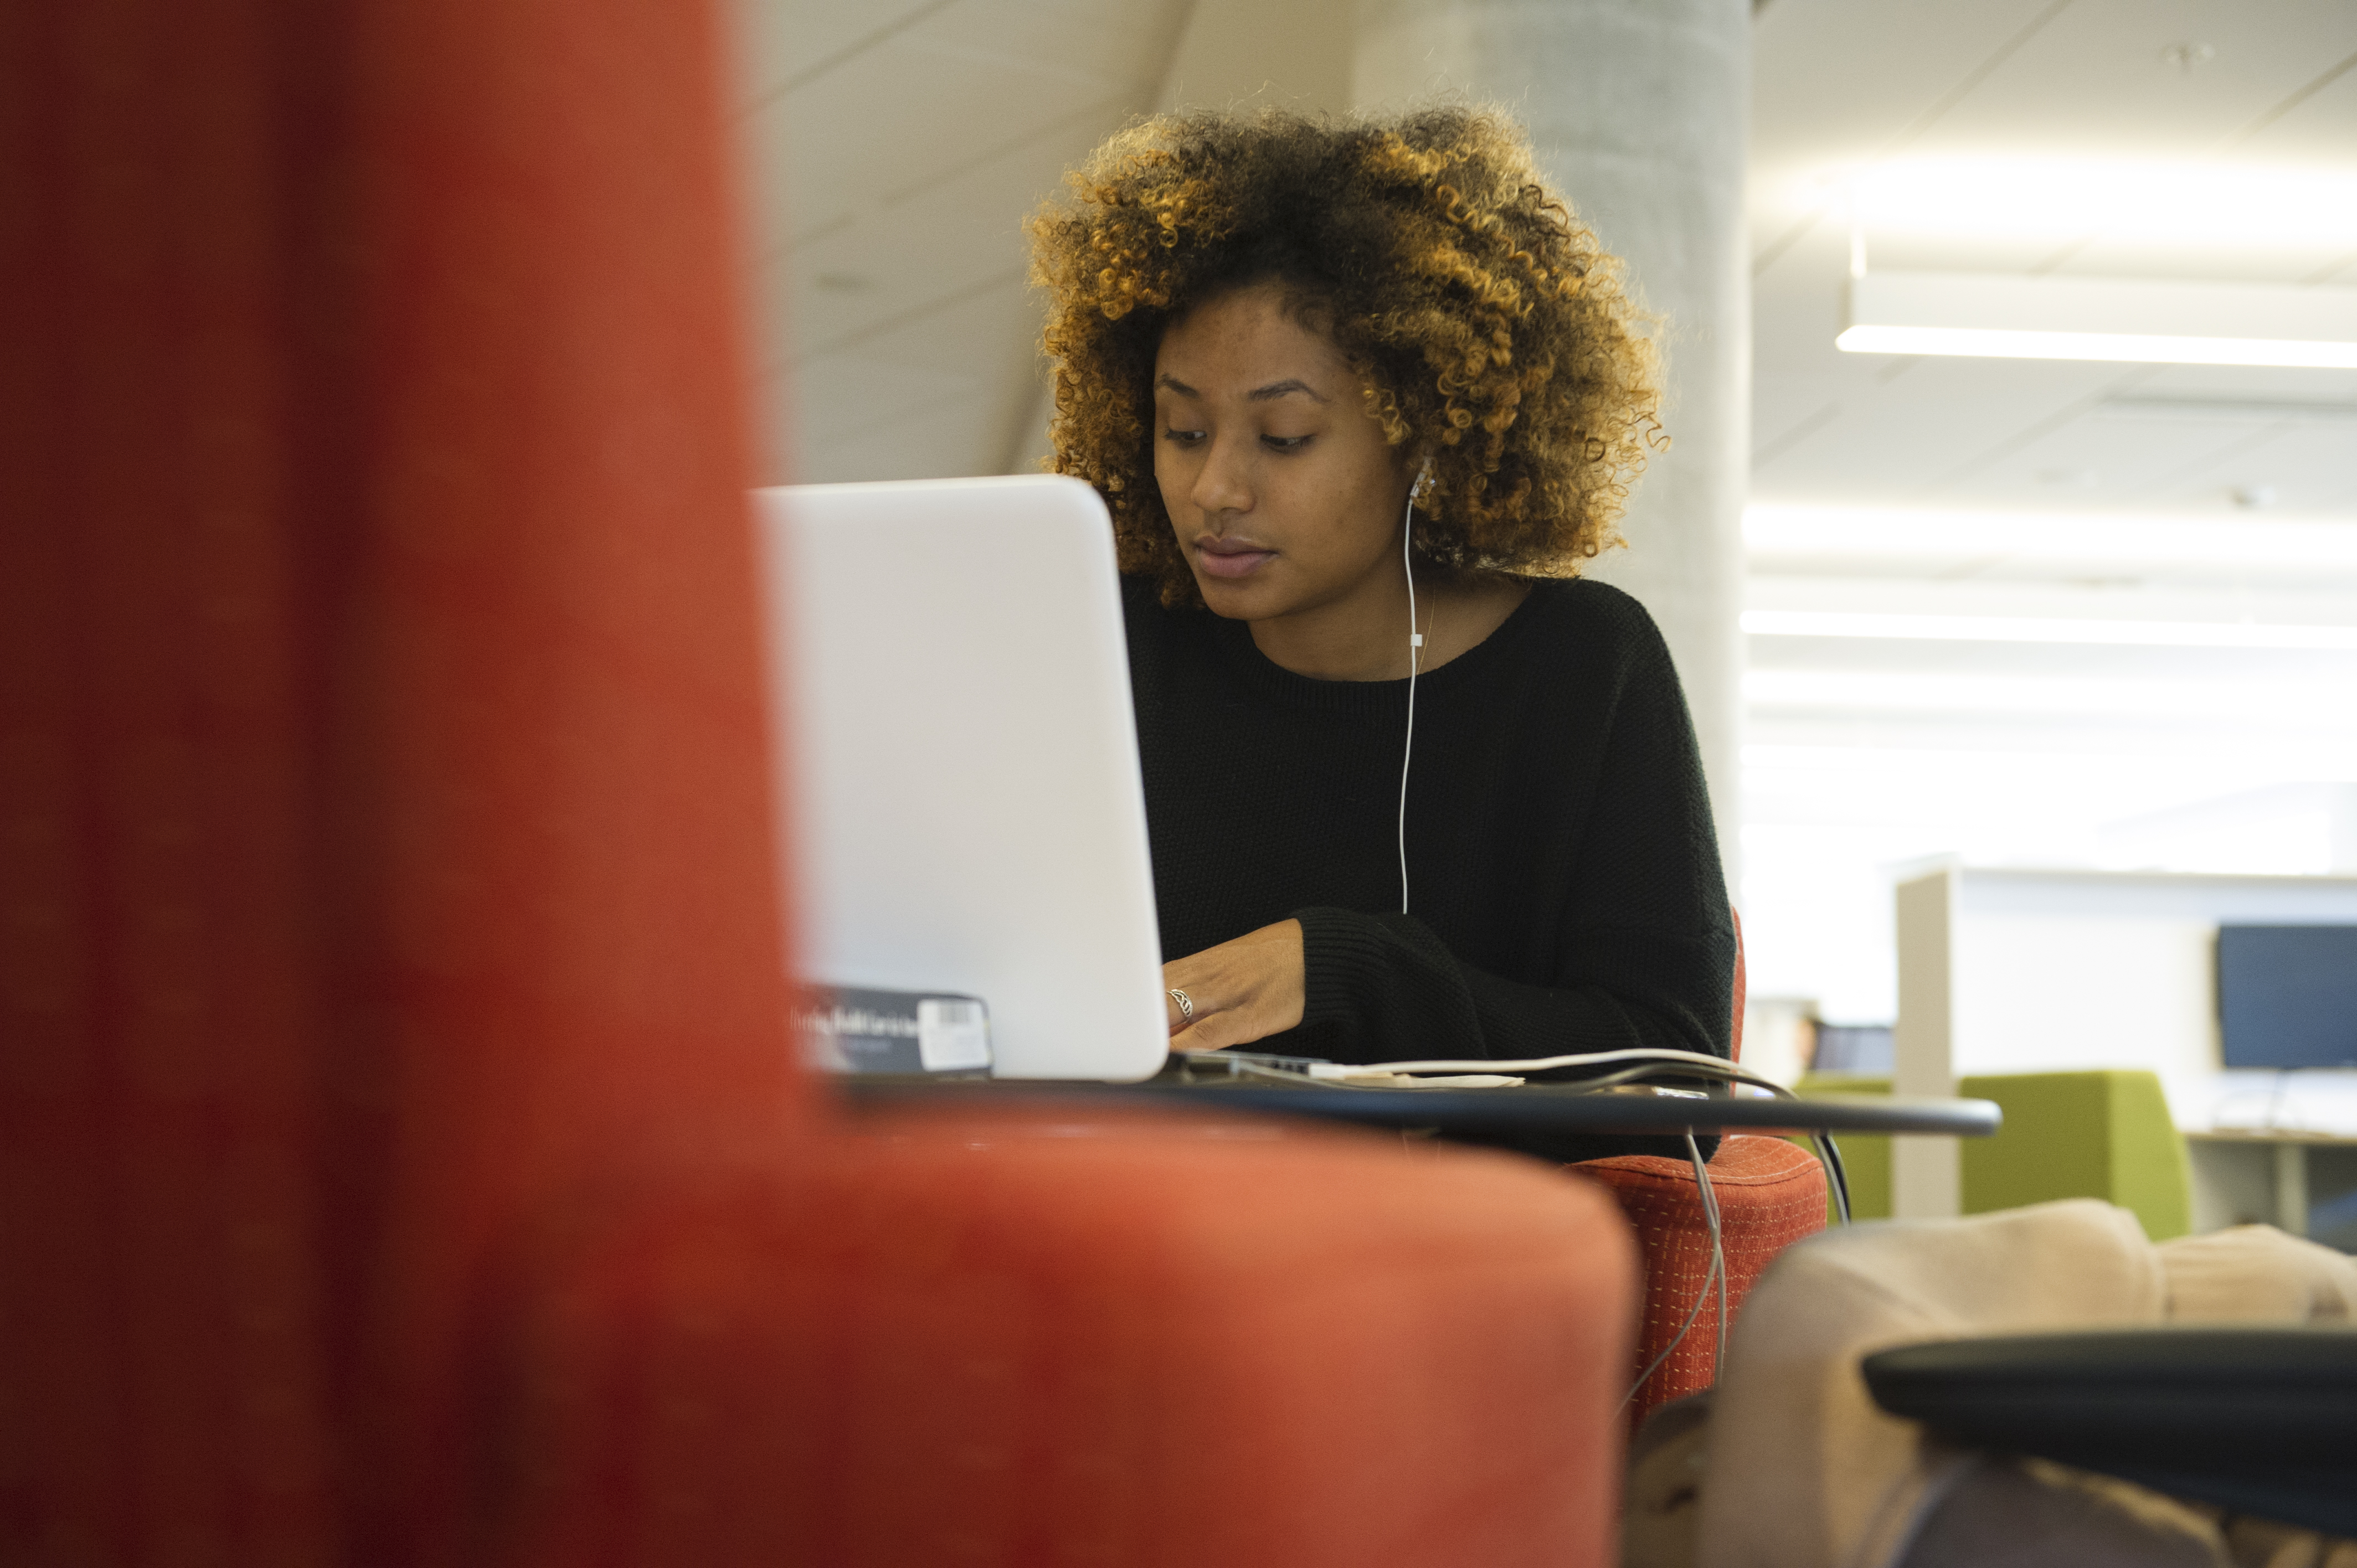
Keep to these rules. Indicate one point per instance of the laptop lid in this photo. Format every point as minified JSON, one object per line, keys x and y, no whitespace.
{"x":950,"y":687}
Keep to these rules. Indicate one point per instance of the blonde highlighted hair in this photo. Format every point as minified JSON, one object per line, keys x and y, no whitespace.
{"x":1487,"y":326}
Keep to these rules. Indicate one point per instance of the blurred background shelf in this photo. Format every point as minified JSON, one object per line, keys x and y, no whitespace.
{"x":2305,"y":1183}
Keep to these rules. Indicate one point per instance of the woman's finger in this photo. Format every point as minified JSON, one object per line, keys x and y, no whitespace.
{"x":1215,"y":1033}
{"x":1208,"y":986}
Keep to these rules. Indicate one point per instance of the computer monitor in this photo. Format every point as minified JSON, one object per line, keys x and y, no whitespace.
{"x":2288,"y":995}
{"x":951,"y":683}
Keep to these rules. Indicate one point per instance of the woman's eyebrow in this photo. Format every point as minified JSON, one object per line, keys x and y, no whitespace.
{"x":1167,"y":382}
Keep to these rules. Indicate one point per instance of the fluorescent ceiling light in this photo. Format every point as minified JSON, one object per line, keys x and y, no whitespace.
{"x":2227,"y":548}
{"x":1982,"y":343}
{"x":2191,"y":776}
{"x":2212,"y":206}
{"x":2133,"y":349}
{"x":2132,"y":320}
{"x":2314,"y":708}
{"x":2029,"y":628}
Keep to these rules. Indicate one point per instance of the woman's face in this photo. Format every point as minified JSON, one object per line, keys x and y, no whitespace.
{"x":1282,"y":490}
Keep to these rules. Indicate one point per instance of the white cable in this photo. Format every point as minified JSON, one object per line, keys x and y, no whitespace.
{"x":1415,"y":662}
{"x":1717,"y":1249}
{"x":1702,"y":1065}
{"x":1717,"y":1271}
{"x":1540,"y":1064}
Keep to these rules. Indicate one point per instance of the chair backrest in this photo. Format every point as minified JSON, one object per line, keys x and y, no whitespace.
{"x":382,"y":765}
{"x":1735,"y":1039}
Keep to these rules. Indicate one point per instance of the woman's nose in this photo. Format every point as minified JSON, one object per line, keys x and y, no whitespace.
{"x":1223,"y":483}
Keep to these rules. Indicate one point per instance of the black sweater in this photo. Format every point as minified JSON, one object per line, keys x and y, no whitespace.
{"x":1563,"y":878}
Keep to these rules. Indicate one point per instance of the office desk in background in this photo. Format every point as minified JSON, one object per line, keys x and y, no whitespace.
{"x":2301,"y":1182}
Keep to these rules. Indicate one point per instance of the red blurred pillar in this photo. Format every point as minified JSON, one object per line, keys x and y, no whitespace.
{"x":382,"y":804}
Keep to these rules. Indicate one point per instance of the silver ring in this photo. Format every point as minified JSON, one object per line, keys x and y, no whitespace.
{"x":1186,"y":1008}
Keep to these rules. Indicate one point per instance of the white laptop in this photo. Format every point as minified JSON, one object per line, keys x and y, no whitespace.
{"x":950,"y":685}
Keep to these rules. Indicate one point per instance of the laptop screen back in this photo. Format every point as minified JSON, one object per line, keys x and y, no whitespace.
{"x":951,"y":688}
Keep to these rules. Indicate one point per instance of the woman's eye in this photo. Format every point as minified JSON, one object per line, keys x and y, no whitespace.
{"x":1182,"y":438}
{"x":1285,"y":443}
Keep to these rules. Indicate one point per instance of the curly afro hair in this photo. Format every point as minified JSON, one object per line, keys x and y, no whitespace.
{"x":1486,"y":324}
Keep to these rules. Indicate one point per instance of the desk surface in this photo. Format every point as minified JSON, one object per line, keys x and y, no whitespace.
{"x":2270,"y":1136}
{"x":1469,"y":1111}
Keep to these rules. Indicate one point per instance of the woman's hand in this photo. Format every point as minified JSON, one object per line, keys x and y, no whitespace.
{"x":1242,"y":991}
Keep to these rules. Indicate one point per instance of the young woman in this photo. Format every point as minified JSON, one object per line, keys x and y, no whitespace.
{"x":1318,"y":371}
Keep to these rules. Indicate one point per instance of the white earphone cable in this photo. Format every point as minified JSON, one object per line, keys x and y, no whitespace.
{"x":1714,"y":1274}
{"x":1415,"y":662}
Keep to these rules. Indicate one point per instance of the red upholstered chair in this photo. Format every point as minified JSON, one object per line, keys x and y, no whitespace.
{"x":401,"y":1156}
{"x":1771,"y":1194}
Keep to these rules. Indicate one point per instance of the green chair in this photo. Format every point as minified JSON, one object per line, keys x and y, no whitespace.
{"x":2103,"y":1134}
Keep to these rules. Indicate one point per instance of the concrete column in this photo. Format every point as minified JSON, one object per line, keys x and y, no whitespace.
{"x":1640,"y":111}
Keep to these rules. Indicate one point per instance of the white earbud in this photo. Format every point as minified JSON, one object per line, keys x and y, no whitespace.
{"x":1407,"y":527}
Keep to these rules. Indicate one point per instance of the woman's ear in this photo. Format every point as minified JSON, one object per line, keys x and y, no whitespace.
{"x":1422,"y":482}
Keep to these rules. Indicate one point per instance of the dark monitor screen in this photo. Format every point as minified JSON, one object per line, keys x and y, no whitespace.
{"x":2288,"y":995}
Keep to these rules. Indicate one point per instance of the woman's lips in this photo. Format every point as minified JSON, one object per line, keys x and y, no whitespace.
{"x":1231,"y":558}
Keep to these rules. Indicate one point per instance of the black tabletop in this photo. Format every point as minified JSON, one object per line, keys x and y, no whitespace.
{"x":2257,"y":1420}
{"x":1475,"y":1112}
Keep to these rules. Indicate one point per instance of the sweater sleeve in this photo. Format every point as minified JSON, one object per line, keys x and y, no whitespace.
{"x":1645,"y":943}
{"x":1384,"y":988}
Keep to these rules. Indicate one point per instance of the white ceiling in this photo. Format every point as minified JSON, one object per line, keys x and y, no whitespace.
{"x":896,"y":144}
{"x":2020,"y":489}
{"x":1844,"y":83}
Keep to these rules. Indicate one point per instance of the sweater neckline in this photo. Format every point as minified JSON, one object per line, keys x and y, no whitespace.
{"x":1270,"y":679}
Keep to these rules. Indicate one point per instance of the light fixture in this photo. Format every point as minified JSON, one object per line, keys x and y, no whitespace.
{"x":2202,"y":206}
{"x":2049,"y":630}
{"x":2130,"y":320}
{"x":2314,"y":552}
{"x":2318,"y":709}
